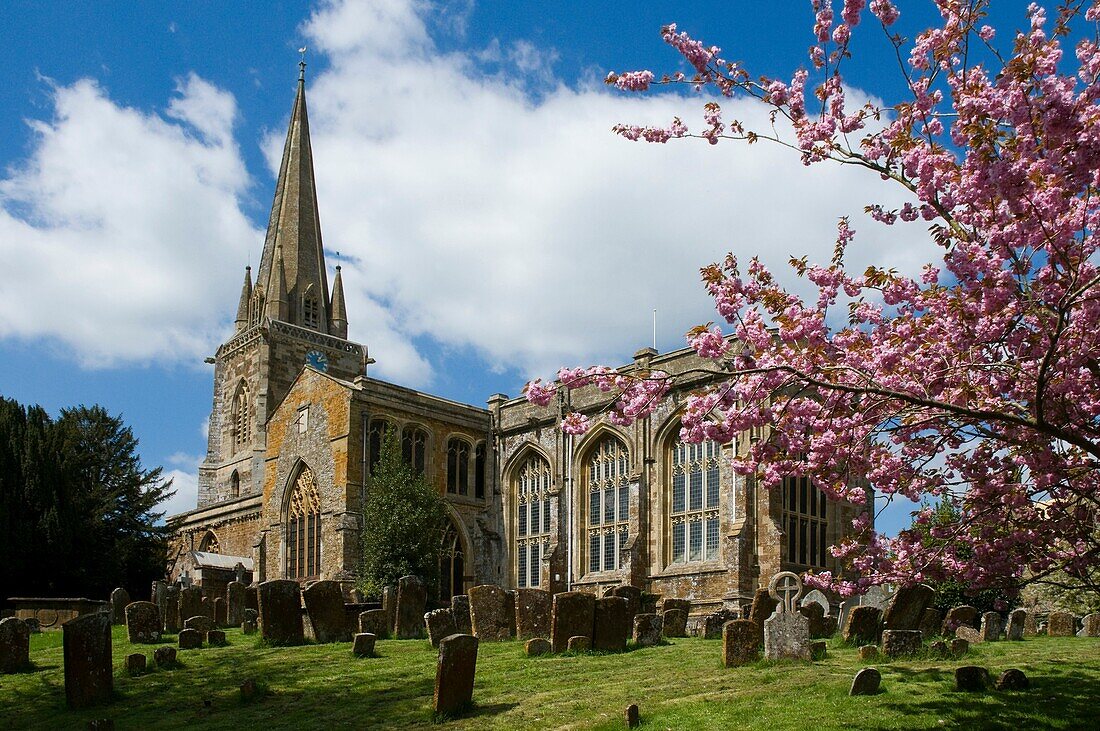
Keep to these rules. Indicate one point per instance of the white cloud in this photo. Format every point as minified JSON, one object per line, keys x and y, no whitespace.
{"x":186,"y":485}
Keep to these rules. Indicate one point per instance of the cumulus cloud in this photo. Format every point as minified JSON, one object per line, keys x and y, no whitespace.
{"x":185,"y":481}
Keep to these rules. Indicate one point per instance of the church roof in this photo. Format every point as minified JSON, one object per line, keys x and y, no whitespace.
{"x":205,"y":559}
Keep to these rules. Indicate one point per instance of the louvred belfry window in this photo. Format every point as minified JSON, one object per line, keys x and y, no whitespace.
{"x":532,"y":486}
{"x":242,"y":416}
{"x":303,"y":528}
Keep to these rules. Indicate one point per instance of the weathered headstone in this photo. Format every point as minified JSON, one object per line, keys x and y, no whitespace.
{"x":142,"y":622}
{"x":510,"y":611}
{"x":633,"y":596}
{"x":901,"y":642}
{"x":1031,"y":624}
{"x":868,"y":652}
{"x":675,"y":622}
{"x":440,"y":623}
{"x":250,"y":615}
{"x":579,"y":643}
{"x":489,"y":613}
{"x":866,"y":682}
{"x":739,"y":643}
{"x":864,"y":625}
{"x":190,"y":639}
{"x":215,"y":638}
{"x":389,"y":606}
{"x":787,"y":636}
{"x":572,"y":613}
{"x":190,"y":603}
{"x":875,"y":596}
{"x":325,"y":606}
{"x":817,"y":597}
{"x":171,"y":616}
{"x":412,"y":597}
{"x":931,"y":622}
{"x":971,"y":678}
{"x":940,"y":649}
{"x":136,"y":663}
{"x":164,"y":657}
{"x":1013,"y":679}
{"x":363,"y":644}
{"x":15,"y":645}
{"x":818,"y":649}
{"x":532,"y":613}
{"x":763,"y":605}
{"x":199,"y":623}
{"x":612,"y":625}
{"x":221,"y":612}
{"x":676,"y":603}
{"x":207,"y":607}
{"x":454,"y":674}
{"x":89,"y":677}
{"x":964,"y":614}
{"x":715,"y":621}
{"x":1090,"y":625}
{"x":158,"y":595}
{"x":959,"y":647}
{"x":119,"y":599}
{"x":905,"y":610}
{"x":649,"y":603}
{"x":815,"y":615}
{"x":460,"y":608}
{"x":991,"y":627}
{"x":537,"y":646}
{"x":1061,"y":624}
{"x":648,"y":630}
{"x":235,"y":596}
{"x":252,"y":597}
{"x":968,"y":633}
{"x":281,"y":612}
{"x":373,"y":621}
{"x":632,"y":716}
{"x":248,"y":627}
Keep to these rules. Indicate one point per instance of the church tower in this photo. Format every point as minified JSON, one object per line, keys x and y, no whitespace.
{"x":287,"y":319}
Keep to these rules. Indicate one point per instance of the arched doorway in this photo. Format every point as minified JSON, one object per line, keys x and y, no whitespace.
{"x":452,"y":565}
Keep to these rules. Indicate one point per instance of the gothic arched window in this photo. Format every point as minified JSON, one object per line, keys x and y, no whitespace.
{"x":479,"y":470}
{"x":532,"y":492}
{"x":209,"y":543}
{"x":256,"y":312}
{"x":311,"y":309}
{"x":607,"y":486}
{"x":303,"y":528}
{"x":235,"y":484}
{"x":452,"y":566}
{"x":376,"y":434}
{"x":694,"y":490}
{"x":458,"y":467}
{"x":242,"y":416}
{"x":414,"y":448}
{"x":804,"y":522}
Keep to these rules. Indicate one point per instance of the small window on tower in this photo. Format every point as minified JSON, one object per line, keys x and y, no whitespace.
{"x":311,"y":312}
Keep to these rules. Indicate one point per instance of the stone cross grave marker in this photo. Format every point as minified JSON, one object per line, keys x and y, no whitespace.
{"x":786,"y":587}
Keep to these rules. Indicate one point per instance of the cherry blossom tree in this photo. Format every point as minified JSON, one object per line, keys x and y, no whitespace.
{"x":977,"y":380}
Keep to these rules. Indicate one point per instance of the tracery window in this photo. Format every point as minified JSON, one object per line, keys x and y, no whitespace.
{"x":209,"y":543}
{"x":242,"y":416}
{"x":804,"y":521}
{"x":377,"y":432}
{"x":694,"y":491}
{"x":303,"y":528}
{"x":452,"y":566}
{"x":257,"y":309}
{"x":414,"y":448}
{"x":608,"y":489}
{"x":532,"y":486}
{"x":479,"y":470}
{"x":458,"y":467}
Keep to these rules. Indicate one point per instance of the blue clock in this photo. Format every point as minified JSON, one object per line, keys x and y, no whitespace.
{"x":317,"y":359}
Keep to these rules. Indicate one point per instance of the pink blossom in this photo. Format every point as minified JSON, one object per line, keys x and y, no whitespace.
{"x":575,"y":423}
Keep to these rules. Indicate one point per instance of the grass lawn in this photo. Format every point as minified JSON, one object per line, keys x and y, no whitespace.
{"x":678,"y":686}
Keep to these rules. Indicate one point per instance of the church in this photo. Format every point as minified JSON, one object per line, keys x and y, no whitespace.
{"x":296,"y":426}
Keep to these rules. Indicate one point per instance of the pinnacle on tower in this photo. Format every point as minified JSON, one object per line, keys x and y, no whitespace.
{"x":339,"y":324}
{"x":246,"y":299}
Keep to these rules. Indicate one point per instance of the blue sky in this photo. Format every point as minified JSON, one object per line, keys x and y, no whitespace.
{"x":490,"y":225}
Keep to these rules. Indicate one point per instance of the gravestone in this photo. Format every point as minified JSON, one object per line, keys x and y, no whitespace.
{"x":454,"y":674}
{"x":931,"y":622}
{"x":199,"y":623}
{"x":1090,"y":625}
{"x":1061,"y":624}
{"x":89,"y":676}
{"x":215,"y":638}
{"x":325,"y":606}
{"x":579,"y":643}
{"x":864,"y":625}
{"x":817,"y":597}
{"x":15,"y":645}
{"x":633,"y":596}
{"x":786,"y":632}
{"x":1013,"y":679}
{"x":648,"y":630}
{"x":940,"y":649}
{"x":875,"y":596}
{"x":190,"y":603}
{"x":171,"y":614}
{"x":280,"y":608}
{"x":631,"y":716}
{"x":971,"y":678}
{"x":363,"y":644}
{"x":537,"y":646}
{"x":968,"y":633}
{"x":1031,"y":624}
{"x":164,"y":657}
{"x":959,"y":647}
{"x":905,"y":609}
{"x":248,"y":627}
{"x":235,"y":593}
{"x":239,"y":573}
{"x":389,"y":606}
{"x":991,"y":627}
{"x":866,"y":682}
{"x":252,"y":597}
{"x":158,"y":595}
{"x":532,"y":613}
{"x":763,"y":605}
{"x":649,"y":603}
{"x":136,"y":663}
{"x":250,"y":615}
{"x":221,"y":612}
{"x":460,"y":608}
{"x":440,"y":623}
{"x":189,"y":639}
{"x":815,"y":615}
{"x":715,"y":621}
{"x":739,"y":643}
{"x":572,"y":613}
{"x":675,"y":603}
{"x":964,"y":614}
{"x":142,"y":622}
{"x":373,"y":621}
{"x":675,"y":621}
{"x":818,"y":649}
{"x":510,"y":612}
{"x":489,"y":613}
{"x":207,"y":607}
{"x":901,"y":642}
{"x":412,"y":597}
{"x":612,"y":625}
{"x":119,"y":599}
{"x":868,"y":652}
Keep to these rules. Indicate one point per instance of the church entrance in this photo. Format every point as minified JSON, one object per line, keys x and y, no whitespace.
{"x":452,"y":565}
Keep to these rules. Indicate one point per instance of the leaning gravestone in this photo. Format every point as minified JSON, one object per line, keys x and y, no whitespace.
{"x":1090,"y":625}
{"x":235,"y":597}
{"x":968,"y":633}
{"x":714,"y":623}
{"x":412,"y":596}
{"x":963,"y":614}
{"x":648,"y":630}
{"x":866,"y":682}
{"x":389,"y":606}
{"x":190,"y":604}
{"x":816,"y":617}
{"x":905,"y":609}
{"x":817,"y":597}
{"x":532,"y":613}
{"x":1031,"y":624}
{"x":633,"y":596}
{"x":374,"y":622}
{"x":901,"y":642}
{"x":991,"y":627}
{"x":612,"y":624}
{"x":221,"y":613}
{"x":454,"y":674}
{"x":763,"y":605}
{"x":1060,"y":624}
{"x":875,"y":596}
{"x":739,"y":643}
{"x":931,"y":622}
{"x":200,"y":623}
{"x":440,"y":623}
{"x":171,"y":614}
{"x":89,"y":677}
{"x":675,"y":622}
{"x":489,"y":613}
{"x":325,"y":605}
{"x":1014,"y":630}
{"x":158,"y":594}
{"x":119,"y":599}
{"x":15,"y":645}
{"x":281,"y":612}
{"x":864,"y":625}
{"x":142,"y":623}
{"x":786,"y":632}
{"x":460,"y":607}
{"x":572,"y":613}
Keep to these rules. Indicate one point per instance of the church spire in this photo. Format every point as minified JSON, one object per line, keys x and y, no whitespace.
{"x":339,"y":324}
{"x":292,"y":249}
{"x":246,"y":299}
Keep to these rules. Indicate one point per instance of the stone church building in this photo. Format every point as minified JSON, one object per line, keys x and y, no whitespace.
{"x":296,"y":426}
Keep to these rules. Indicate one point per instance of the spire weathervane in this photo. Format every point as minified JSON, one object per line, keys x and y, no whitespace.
{"x":302,"y":64}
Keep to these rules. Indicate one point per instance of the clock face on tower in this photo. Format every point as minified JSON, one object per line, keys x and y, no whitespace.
{"x":317,"y":359}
